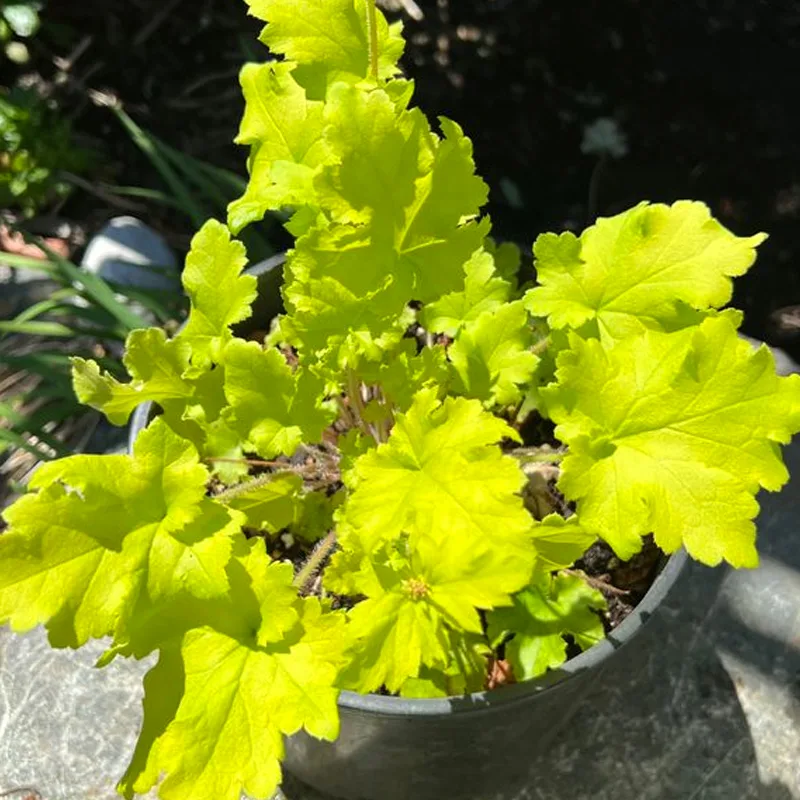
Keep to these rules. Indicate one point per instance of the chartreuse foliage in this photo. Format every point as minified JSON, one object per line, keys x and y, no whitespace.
{"x":375,"y":438}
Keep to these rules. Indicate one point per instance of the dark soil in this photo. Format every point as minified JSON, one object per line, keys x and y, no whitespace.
{"x":623,"y":583}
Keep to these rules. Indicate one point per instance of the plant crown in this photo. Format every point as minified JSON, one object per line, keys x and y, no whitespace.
{"x":384,"y":412}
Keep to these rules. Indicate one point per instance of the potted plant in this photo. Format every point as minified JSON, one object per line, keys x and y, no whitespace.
{"x":394,"y":500}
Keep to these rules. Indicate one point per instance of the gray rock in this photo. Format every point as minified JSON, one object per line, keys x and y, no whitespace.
{"x":128,"y":252}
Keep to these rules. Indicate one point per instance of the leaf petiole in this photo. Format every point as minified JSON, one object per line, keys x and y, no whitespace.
{"x":372,"y":29}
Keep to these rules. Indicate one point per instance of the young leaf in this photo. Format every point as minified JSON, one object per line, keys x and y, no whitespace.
{"x":417,"y":611}
{"x":343,"y":293}
{"x":560,"y":542}
{"x":328,"y":38}
{"x":492,"y":358}
{"x":156,"y":366}
{"x":507,"y":260}
{"x":220,"y":295}
{"x":278,"y":420}
{"x":539,"y":618}
{"x":269,"y":506}
{"x":376,"y":146}
{"x":407,"y":372}
{"x":284,"y":131}
{"x":435,"y":241}
{"x":483,"y":291}
{"x":315,"y":515}
{"x":102,"y":532}
{"x":221,"y":677}
{"x":628,"y":273}
{"x":441,"y":475}
{"x":673,"y":434}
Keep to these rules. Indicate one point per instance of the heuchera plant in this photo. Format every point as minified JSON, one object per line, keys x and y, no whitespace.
{"x":373,"y":439}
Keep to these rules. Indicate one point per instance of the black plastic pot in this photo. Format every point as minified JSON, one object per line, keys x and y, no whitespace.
{"x":478,"y":747}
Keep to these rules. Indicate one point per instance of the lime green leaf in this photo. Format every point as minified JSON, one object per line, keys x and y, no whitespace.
{"x":223,"y":449}
{"x":406,"y":372}
{"x":492,"y":357}
{"x":377,"y":146}
{"x":102,"y":532}
{"x":483,"y":291}
{"x":351,"y":445}
{"x":284,"y":132}
{"x":220,"y":295}
{"x":396,"y":637}
{"x":440,"y":474}
{"x":343,"y":292}
{"x":329,"y":38}
{"x":629,"y":272}
{"x":430,"y":683}
{"x":348,"y":286}
{"x":269,"y":505}
{"x":539,"y":618}
{"x":351,"y":572}
{"x":467,"y":671}
{"x":560,"y":542}
{"x":315,"y":516}
{"x":673,"y":434}
{"x":418,"y":609}
{"x":213,"y":747}
{"x":507,"y":260}
{"x":435,"y":241}
{"x":156,"y":366}
{"x":271,"y":407}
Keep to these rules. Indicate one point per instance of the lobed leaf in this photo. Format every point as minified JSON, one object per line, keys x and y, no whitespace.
{"x":632,"y":272}
{"x":220,"y":295}
{"x":278,"y":420}
{"x":103,"y":533}
{"x":541,"y":615}
{"x":199,"y":726}
{"x":492,"y":358}
{"x":440,"y":475}
{"x":418,"y":610}
{"x":329,"y":39}
{"x":483,"y":291}
{"x":156,"y":366}
{"x":673,"y":434}
{"x":284,"y":131}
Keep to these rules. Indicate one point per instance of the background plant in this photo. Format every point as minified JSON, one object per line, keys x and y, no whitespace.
{"x":37,"y":147}
{"x":18,"y":21}
{"x":382,"y":419}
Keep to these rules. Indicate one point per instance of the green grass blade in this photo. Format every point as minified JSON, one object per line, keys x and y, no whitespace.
{"x":34,"y":264}
{"x":145,"y":143}
{"x":38,"y":328}
{"x":17,"y":440}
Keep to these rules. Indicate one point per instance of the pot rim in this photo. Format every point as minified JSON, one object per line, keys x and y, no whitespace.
{"x":593,"y":658}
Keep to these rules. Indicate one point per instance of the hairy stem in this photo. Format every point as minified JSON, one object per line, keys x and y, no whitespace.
{"x":356,"y":405}
{"x":372,"y":31}
{"x":595,"y":583}
{"x":537,"y":455}
{"x":254,"y":483}
{"x":315,"y":561}
{"x":540,"y":346}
